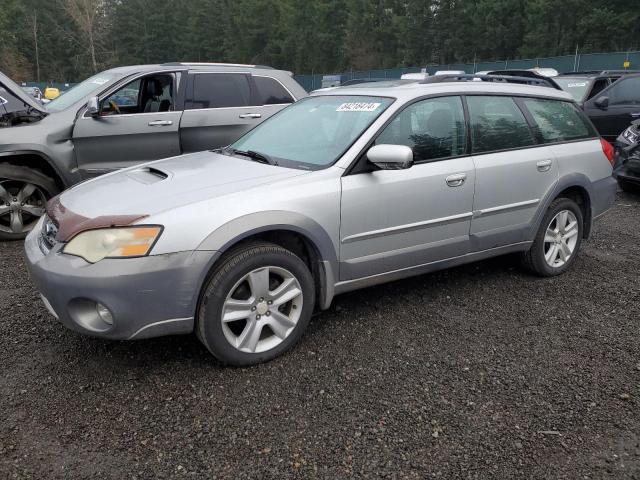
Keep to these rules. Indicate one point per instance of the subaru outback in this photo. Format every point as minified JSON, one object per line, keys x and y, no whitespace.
{"x":344,"y":189}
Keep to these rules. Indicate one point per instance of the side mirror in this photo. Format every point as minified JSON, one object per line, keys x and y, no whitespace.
{"x":602,"y":102}
{"x":391,"y":157}
{"x":93,"y":107}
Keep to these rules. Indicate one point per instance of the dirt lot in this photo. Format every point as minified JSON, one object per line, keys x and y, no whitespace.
{"x":477,"y":372}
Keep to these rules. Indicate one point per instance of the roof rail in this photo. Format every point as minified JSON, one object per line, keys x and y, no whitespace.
{"x":212,"y":64}
{"x":535,"y":80}
{"x":598,"y":72}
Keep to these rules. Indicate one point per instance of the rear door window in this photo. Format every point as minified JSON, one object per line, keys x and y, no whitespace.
{"x":433,"y":128}
{"x":558,"y":121}
{"x":497,"y":124}
{"x":271,"y":92}
{"x":219,"y":90}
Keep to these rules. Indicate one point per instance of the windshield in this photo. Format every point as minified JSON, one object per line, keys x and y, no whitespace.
{"x":314,"y":132}
{"x":577,"y":87}
{"x":81,"y":91}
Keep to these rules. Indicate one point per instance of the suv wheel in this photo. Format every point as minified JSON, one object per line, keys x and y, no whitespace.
{"x":556,"y":244}
{"x":24,"y":193}
{"x":256,"y":304}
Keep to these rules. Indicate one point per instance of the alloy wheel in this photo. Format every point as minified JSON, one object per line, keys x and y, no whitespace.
{"x":262,"y":309}
{"x":561,"y":238}
{"x":21,"y":206}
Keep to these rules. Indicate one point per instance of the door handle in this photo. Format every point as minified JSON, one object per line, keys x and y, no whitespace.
{"x":456,"y":180}
{"x":160,"y":123}
{"x":544,"y":165}
{"x":251,"y":115}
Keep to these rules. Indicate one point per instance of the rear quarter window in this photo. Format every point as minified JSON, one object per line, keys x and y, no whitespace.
{"x":271,"y":92}
{"x":558,"y":121}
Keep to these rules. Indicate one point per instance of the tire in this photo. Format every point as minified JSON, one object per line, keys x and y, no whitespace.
{"x":628,"y":186}
{"x":235,"y":290}
{"x":536,"y":259}
{"x":14,"y":182}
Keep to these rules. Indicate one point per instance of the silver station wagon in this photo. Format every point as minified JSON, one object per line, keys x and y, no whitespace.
{"x":344,"y":189}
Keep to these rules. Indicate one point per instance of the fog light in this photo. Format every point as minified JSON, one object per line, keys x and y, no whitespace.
{"x":104,"y":314}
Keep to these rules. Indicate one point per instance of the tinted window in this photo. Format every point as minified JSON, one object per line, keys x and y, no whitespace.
{"x":625,"y":92}
{"x":218,"y":90}
{"x":558,"y":121}
{"x":497,"y":124}
{"x":432,"y":128}
{"x":271,"y":92}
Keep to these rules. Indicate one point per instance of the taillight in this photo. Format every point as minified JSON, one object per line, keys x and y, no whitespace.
{"x":608,"y":150}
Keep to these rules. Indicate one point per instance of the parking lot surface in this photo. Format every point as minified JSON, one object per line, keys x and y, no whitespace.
{"x":481,"y":371}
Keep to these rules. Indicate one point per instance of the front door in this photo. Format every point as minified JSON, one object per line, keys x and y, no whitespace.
{"x":137,"y":123}
{"x":623,"y":107}
{"x":396,"y":219}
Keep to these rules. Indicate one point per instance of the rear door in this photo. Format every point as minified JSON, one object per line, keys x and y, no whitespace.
{"x":623,"y":107}
{"x":513,"y":172}
{"x":219,"y":109}
{"x":124,"y":134}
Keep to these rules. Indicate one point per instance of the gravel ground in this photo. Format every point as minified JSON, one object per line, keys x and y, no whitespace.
{"x":477,"y":372}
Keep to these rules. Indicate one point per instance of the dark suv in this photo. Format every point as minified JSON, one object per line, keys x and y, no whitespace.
{"x":611,"y":98}
{"x":122,"y":117}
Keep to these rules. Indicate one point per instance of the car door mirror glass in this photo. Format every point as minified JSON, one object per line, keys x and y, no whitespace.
{"x":93,"y":107}
{"x":602,"y":102}
{"x":391,"y":157}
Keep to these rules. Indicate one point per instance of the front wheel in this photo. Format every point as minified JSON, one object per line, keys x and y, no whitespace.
{"x":558,"y":240}
{"x":24,"y":193}
{"x":256,"y":304}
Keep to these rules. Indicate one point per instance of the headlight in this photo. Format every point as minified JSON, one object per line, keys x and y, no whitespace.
{"x":127,"y":242}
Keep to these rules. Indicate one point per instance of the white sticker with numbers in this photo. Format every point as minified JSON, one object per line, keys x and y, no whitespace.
{"x":358,"y":107}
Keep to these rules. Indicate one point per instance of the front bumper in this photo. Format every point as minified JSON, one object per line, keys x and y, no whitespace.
{"x":627,"y":166}
{"x":147,"y":297}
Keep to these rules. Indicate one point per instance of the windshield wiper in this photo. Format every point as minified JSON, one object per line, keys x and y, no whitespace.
{"x":257,"y":156}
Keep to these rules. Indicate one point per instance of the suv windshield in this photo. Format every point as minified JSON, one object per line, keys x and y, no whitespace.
{"x":81,"y":90}
{"x":314,"y":132}
{"x":576,"y":86}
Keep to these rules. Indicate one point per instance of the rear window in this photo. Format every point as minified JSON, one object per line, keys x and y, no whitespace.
{"x":558,"y":121}
{"x":271,"y":92}
{"x":497,"y":124}
{"x":219,"y":90}
{"x":577,"y":87}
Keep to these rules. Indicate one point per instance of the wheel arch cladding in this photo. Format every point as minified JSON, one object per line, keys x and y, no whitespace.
{"x":295,"y":232}
{"x":37,"y":161}
{"x":577,"y":187}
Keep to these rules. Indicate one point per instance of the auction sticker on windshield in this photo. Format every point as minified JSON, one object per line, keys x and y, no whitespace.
{"x":358,"y":107}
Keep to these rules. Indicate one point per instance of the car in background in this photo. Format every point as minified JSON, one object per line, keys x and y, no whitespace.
{"x":344,"y":189}
{"x":36,"y":93}
{"x":123,"y":117}
{"x":51,"y":93}
{"x":627,"y":151}
{"x":585,"y":85}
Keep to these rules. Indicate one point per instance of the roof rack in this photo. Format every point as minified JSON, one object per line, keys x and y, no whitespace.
{"x":211,"y":64}
{"x":535,"y":80}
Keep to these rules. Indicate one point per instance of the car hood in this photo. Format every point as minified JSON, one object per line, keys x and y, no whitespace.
{"x":155,"y":187}
{"x":12,"y":87}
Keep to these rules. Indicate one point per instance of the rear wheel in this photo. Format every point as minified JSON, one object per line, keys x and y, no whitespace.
{"x":256,"y":304}
{"x":558,"y":240}
{"x":24,"y":193}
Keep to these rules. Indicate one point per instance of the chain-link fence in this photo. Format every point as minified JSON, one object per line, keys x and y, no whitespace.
{"x":563,"y":64}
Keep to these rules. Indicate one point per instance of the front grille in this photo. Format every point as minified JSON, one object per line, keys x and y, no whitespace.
{"x":48,"y":235}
